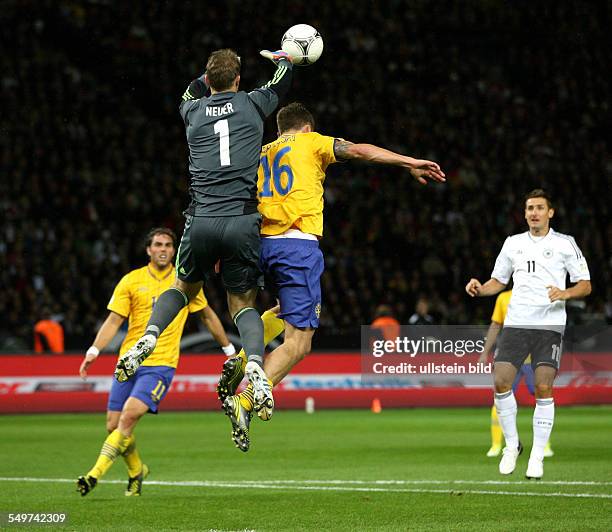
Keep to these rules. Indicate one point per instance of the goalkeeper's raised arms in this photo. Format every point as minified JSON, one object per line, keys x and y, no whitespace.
{"x":277,"y":56}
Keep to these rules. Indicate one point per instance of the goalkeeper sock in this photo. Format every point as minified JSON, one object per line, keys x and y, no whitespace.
{"x":273,"y":326}
{"x":250,"y":328}
{"x":114,"y":445}
{"x":166,"y":308}
{"x":132,"y":458}
{"x":496,"y":431}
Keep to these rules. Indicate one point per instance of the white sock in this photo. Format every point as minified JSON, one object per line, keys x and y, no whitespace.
{"x":543,"y":420}
{"x":505,"y":403}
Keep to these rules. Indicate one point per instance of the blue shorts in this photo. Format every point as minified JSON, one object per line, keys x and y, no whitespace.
{"x":150,"y":385}
{"x":295,"y":266}
{"x":526,"y":372}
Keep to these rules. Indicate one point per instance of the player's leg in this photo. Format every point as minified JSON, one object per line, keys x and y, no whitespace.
{"x":510,"y":355}
{"x":497,"y":435}
{"x":133,"y":410}
{"x":528,"y":375}
{"x":112,"y":420}
{"x":117,"y":397}
{"x":543,"y":419}
{"x":296,"y":346}
{"x":151,"y":387}
{"x":233,"y":368}
{"x":295,"y":267}
{"x":242,"y":278}
{"x":545,"y":359}
{"x":169,"y":304}
{"x":136,"y":469}
{"x":279,"y":362}
{"x":118,"y":441}
{"x":505,"y":401}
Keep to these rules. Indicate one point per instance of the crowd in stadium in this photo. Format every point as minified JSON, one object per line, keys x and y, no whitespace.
{"x":93,"y":153}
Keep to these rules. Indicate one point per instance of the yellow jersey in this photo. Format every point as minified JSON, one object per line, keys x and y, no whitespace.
{"x":134,"y":298}
{"x":501,"y":307}
{"x":290,"y":182}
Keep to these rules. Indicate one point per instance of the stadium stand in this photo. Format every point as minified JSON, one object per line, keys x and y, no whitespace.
{"x":92,"y":150}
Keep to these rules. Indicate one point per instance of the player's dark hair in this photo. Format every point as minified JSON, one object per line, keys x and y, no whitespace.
{"x":539,"y":193}
{"x":294,"y":116}
{"x":222,"y":68}
{"x":160,"y":231}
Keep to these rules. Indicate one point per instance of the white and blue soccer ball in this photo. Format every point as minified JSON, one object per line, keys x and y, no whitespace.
{"x":303,"y":43}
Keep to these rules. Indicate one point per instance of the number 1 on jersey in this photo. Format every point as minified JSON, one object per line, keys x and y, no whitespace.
{"x":222,"y":129}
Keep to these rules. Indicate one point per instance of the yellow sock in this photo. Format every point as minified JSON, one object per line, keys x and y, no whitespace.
{"x":132,"y":458}
{"x":273,"y":326}
{"x":246,"y":398}
{"x":497,"y":434}
{"x":114,"y":445}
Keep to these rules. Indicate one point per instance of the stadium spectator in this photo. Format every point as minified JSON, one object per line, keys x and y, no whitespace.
{"x":384,"y":322}
{"x":421,"y":314}
{"x":48,"y":334}
{"x":514,"y":109}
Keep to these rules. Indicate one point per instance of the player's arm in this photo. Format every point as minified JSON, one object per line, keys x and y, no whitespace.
{"x":490,"y":340}
{"x":213,"y":324}
{"x":266,"y":98}
{"x":106,"y":333}
{"x":579,"y":290}
{"x":196,"y":90}
{"x":490,"y":288}
{"x":418,"y":168}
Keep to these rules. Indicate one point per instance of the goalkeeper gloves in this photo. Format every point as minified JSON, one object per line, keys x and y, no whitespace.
{"x":277,"y":56}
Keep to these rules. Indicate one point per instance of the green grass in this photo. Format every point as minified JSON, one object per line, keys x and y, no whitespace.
{"x":411,"y":446}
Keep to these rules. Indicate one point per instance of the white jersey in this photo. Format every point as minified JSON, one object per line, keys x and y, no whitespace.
{"x":535,"y":263}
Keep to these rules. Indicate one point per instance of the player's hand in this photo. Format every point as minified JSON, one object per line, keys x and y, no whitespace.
{"x":473,"y":287}
{"x":556,"y":294}
{"x":421,"y":169}
{"x":277,"y":56}
{"x":483,"y":357}
{"x":90,"y":357}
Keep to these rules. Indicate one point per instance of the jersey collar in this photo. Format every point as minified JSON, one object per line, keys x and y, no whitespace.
{"x":550,"y":232}
{"x":160,"y":276}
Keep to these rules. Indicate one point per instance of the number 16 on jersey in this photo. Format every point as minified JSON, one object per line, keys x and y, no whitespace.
{"x":280,"y":175}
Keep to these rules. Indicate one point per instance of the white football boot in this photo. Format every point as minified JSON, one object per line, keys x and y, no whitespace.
{"x":509,"y":457}
{"x":535,"y":468}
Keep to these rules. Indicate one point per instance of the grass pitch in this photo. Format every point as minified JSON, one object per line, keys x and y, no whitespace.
{"x":421,"y":469}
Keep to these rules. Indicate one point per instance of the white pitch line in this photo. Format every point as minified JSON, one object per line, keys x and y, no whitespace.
{"x":409,"y":482}
{"x":284,"y":486}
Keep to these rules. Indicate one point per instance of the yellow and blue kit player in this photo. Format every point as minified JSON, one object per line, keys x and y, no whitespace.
{"x":290,"y":192}
{"x":133,"y":299}
{"x":526,"y":372}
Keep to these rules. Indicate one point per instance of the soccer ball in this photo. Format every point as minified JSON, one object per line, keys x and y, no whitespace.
{"x":303,"y":43}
